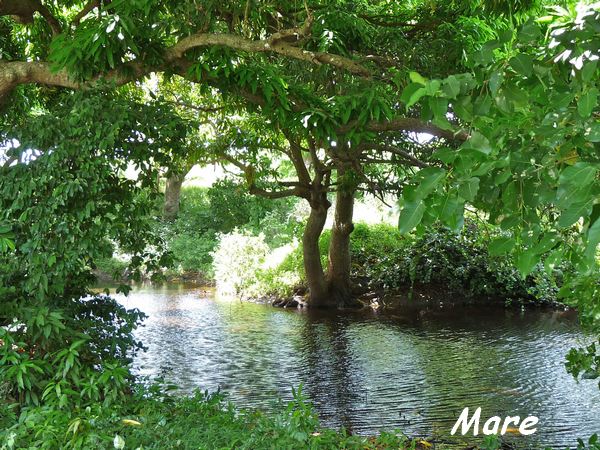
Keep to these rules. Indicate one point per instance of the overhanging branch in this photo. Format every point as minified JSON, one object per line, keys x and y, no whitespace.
{"x":23,"y":11}
{"x":408,"y":124}
{"x":14,"y":73}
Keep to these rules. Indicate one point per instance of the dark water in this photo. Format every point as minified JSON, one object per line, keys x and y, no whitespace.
{"x":413,"y":371}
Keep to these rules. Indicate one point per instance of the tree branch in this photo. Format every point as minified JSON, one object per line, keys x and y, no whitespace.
{"x":86,"y":9}
{"x":273,"y":44}
{"x":23,"y":11}
{"x":295,"y":155}
{"x":294,"y":192}
{"x":399,"y":152}
{"x":14,"y":73}
{"x":408,"y":124}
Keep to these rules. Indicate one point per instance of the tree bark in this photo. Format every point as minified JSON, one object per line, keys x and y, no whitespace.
{"x":313,"y":269}
{"x":338,"y":271}
{"x":172,"y":195}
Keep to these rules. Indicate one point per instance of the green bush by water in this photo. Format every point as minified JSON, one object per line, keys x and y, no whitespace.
{"x":389,"y":261}
{"x":151,"y":419}
{"x":206,"y":213}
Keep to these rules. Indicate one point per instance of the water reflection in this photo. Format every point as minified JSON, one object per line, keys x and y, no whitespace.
{"x":412,"y":370}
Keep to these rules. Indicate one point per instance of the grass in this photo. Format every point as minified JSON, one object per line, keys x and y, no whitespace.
{"x":150,"y":420}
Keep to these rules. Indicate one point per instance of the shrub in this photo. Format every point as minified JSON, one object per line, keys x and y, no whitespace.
{"x":205,"y":214}
{"x":76,"y":354}
{"x":153,"y":420}
{"x":114,"y":267}
{"x":460,"y":262}
{"x":236,"y":260}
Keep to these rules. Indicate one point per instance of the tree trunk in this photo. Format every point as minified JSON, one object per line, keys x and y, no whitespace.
{"x":315,"y":277}
{"x":338,"y":271}
{"x":172,"y":194}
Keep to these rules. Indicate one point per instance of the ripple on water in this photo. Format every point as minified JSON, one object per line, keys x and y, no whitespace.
{"x":410,"y":370}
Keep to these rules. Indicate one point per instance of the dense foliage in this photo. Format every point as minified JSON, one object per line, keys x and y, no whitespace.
{"x":225,"y":206}
{"x":309,"y":100}
{"x":439,"y":262}
{"x":151,"y":419}
{"x":531,"y":160}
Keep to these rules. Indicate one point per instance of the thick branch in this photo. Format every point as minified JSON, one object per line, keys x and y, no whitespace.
{"x":14,"y":73}
{"x":273,"y":44}
{"x":295,"y":154}
{"x":86,"y":9}
{"x":18,"y":72}
{"x":408,"y":124}
{"x":294,"y":192}
{"x":23,"y":11}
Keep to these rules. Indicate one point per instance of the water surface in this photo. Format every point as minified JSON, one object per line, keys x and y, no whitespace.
{"x":412,"y":370}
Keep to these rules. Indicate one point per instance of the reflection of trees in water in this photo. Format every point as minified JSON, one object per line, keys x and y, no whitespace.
{"x":171,"y":335}
{"x":248,"y":339}
{"x":409,"y":370}
{"x":328,"y":377}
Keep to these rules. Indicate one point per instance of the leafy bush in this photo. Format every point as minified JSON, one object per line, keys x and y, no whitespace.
{"x":205,"y":214}
{"x":461,"y":263}
{"x":236,"y":259}
{"x":388,"y":260}
{"x":585,"y":362}
{"x":112,"y":266}
{"x":75,"y":354}
{"x":153,"y":420}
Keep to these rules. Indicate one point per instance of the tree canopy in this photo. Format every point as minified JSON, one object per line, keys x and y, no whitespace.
{"x":486,"y":106}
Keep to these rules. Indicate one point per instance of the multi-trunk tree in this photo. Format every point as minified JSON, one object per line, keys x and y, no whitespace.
{"x":338,"y":67}
{"x":294,"y":162}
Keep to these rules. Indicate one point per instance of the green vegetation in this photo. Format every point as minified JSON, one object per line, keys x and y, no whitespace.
{"x":205,"y":214}
{"x":386,"y":261}
{"x":313,"y":101}
{"x":151,"y":419}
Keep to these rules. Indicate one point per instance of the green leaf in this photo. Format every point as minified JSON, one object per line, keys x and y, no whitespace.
{"x":530,"y":32}
{"x":433,"y":87}
{"x":486,"y":55}
{"x":439,"y":106}
{"x":522,"y":64}
{"x":416,"y":78}
{"x":451,"y":212}
{"x":593,"y":238}
{"x":546,"y":243}
{"x":501,"y":245}
{"x":451,"y":86}
{"x":496,"y":80}
{"x":447,"y":155}
{"x":502,"y":177}
{"x":588,"y":71}
{"x":526,"y":261}
{"x":593,"y":133}
{"x":574,"y":212}
{"x":412,"y":94}
{"x":468,"y":189}
{"x":431,"y":177}
{"x":411,"y":215}
{"x":587,"y":103}
{"x":579,"y":174}
{"x":478,"y":142}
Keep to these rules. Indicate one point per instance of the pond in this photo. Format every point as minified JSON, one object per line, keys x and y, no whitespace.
{"x":412,"y":370}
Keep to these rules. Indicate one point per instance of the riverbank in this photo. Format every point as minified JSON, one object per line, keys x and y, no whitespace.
{"x":388,"y":270}
{"x":412,"y":369}
{"x":152,"y":419}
